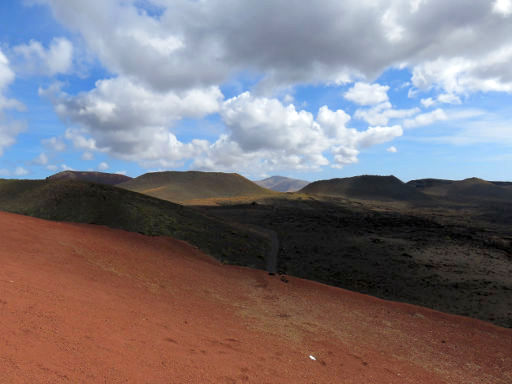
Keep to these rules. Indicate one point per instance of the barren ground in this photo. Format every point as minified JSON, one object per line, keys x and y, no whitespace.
{"x":81,"y":303}
{"x":448,"y":260}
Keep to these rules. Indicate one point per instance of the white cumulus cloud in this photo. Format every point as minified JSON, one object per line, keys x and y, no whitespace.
{"x":426,"y":119}
{"x":460,"y":75}
{"x":443,"y":98}
{"x":171,"y":67}
{"x":503,"y":7}
{"x":42,"y":159}
{"x":428,"y":102}
{"x":367,"y":94}
{"x":132,"y":121}
{"x":6,"y":74}
{"x":265,"y":134}
{"x":382,"y":113}
{"x":103,"y":166}
{"x":203,"y":43}
{"x":20,"y":171}
{"x":54,"y":143}
{"x":9,"y":129}
{"x":35,"y":59}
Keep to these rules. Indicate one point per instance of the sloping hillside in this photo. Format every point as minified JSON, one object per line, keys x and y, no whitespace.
{"x":88,"y":304}
{"x":93,"y":177}
{"x":422,"y":184}
{"x":183,"y":186}
{"x":282,"y":184}
{"x":502,"y":183}
{"x":472,"y":189}
{"x":386,"y":188}
{"x":82,"y":202}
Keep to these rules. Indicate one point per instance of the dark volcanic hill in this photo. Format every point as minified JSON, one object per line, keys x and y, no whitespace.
{"x":383,"y":188}
{"x":282,"y":184}
{"x":472,"y":189}
{"x":421,"y":184}
{"x":92,"y":203}
{"x":502,"y":183}
{"x":183,"y":186}
{"x":93,"y":177}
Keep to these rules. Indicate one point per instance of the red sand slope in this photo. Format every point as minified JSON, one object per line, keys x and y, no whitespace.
{"x":85,"y":304}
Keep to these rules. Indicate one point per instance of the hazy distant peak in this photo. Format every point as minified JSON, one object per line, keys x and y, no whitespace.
{"x":282,"y":184}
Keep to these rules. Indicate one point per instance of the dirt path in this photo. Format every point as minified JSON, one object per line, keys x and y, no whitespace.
{"x":86,"y":304}
{"x":272,"y":256}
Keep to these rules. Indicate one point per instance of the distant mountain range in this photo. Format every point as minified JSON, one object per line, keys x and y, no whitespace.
{"x":472,"y":189}
{"x":390,"y":188}
{"x":299,"y":233}
{"x":193,"y":186}
{"x":282,"y":184}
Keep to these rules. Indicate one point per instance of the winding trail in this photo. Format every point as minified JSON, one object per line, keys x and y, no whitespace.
{"x":272,"y":258}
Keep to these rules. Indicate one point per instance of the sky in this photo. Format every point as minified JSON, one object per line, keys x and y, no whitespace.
{"x":307,"y":89}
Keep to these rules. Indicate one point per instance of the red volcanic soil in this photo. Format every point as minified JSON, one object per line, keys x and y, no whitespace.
{"x":87,"y":304}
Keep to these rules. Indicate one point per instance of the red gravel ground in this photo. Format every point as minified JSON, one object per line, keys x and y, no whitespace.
{"x":87,"y":304}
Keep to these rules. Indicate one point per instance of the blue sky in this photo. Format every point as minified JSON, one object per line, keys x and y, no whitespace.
{"x":373,"y":88}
